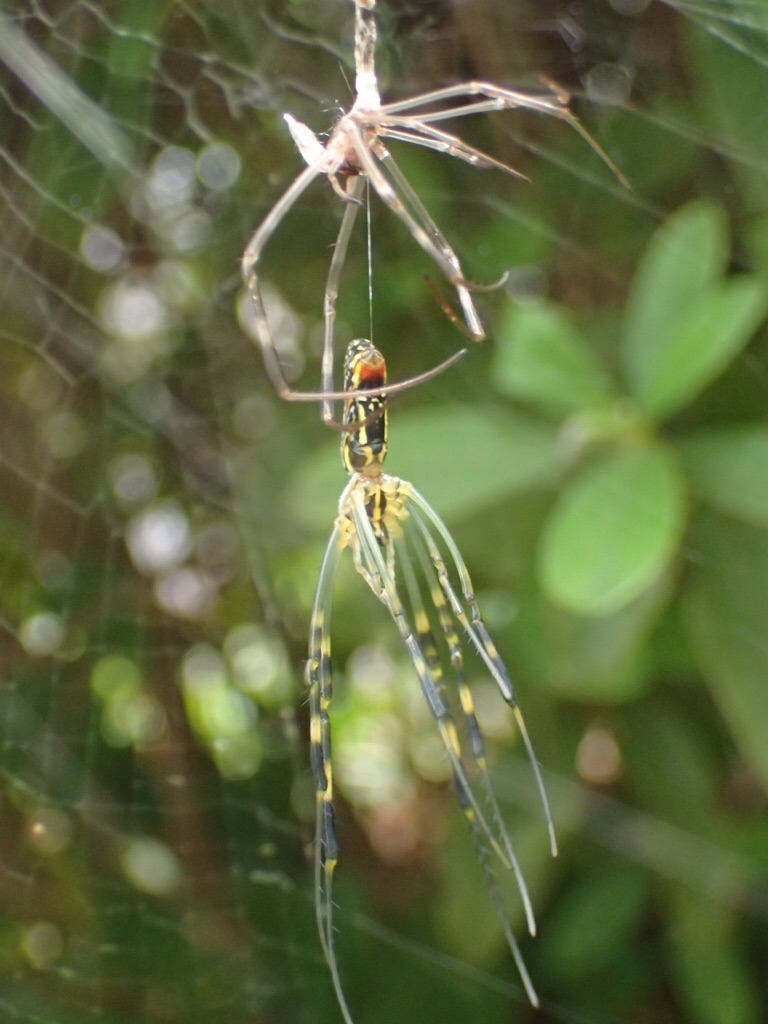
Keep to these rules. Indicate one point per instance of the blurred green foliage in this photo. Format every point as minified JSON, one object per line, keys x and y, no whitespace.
{"x":601,"y":460}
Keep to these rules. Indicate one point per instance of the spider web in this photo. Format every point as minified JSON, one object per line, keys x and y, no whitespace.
{"x":158,"y":557}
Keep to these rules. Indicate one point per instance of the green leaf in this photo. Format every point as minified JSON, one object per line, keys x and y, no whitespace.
{"x":585,"y":658}
{"x":700,"y":346}
{"x":682,"y":327}
{"x":727,"y":92}
{"x":595,"y":919}
{"x":680,"y":263}
{"x":460,"y":458}
{"x":726,"y":614}
{"x":670,"y":743}
{"x":614,"y":531}
{"x":728,"y":469}
{"x":541,"y":357}
{"x":708,"y":961}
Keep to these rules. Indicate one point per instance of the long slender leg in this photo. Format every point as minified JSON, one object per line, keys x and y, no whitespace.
{"x":250,"y":261}
{"x":509,"y":99}
{"x":446,"y":142}
{"x":545,"y":103}
{"x":381,"y":580}
{"x":413,"y":198}
{"x":463,"y":286}
{"x":443,"y":113}
{"x":469,"y":616}
{"x":434,"y":231}
{"x":332,"y":291}
{"x":319,"y":680}
{"x":424,"y":633}
{"x":431,"y":240}
{"x":498,"y":905}
{"x":472,"y":727}
{"x":425,"y":639}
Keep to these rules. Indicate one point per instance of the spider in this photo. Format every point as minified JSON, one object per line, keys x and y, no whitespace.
{"x":354,"y":154}
{"x":396,"y":537}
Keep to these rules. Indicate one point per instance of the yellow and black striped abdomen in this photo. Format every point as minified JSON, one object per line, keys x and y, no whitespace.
{"x":364,"y":447}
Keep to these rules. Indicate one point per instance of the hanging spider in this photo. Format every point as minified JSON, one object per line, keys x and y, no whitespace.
{"x":354,"y":154}
{"x":398,"y":543}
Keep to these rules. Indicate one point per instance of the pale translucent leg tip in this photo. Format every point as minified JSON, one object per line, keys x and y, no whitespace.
{"x":552,"y":841}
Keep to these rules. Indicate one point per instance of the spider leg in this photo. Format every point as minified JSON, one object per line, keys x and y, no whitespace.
{"x":424,"y":633}
{"x":332,"y":292}
{"x":444,"y":142}
{"x":340,"y":190}
{"x":319,"y":680}
{"x":419,"y":223}
{"x":412,"y":196}
{"x":475,"y":629}
{"x":393,"y":388}
{"x":498,"y":905}
{"x":445,"y":113}
{"x":502,"y":99}
{"x":379,"y":574}
{"x":472,"y":727}
{"x":250,"y":261}
{"x":426,"y":639}
{"x":447,"y":308}
{"x":508,"y":99}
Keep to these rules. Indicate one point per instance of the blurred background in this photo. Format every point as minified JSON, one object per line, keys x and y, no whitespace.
{"x":601,"y":459}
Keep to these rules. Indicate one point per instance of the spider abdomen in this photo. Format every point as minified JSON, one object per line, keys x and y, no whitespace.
{"x":364,"y":441}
